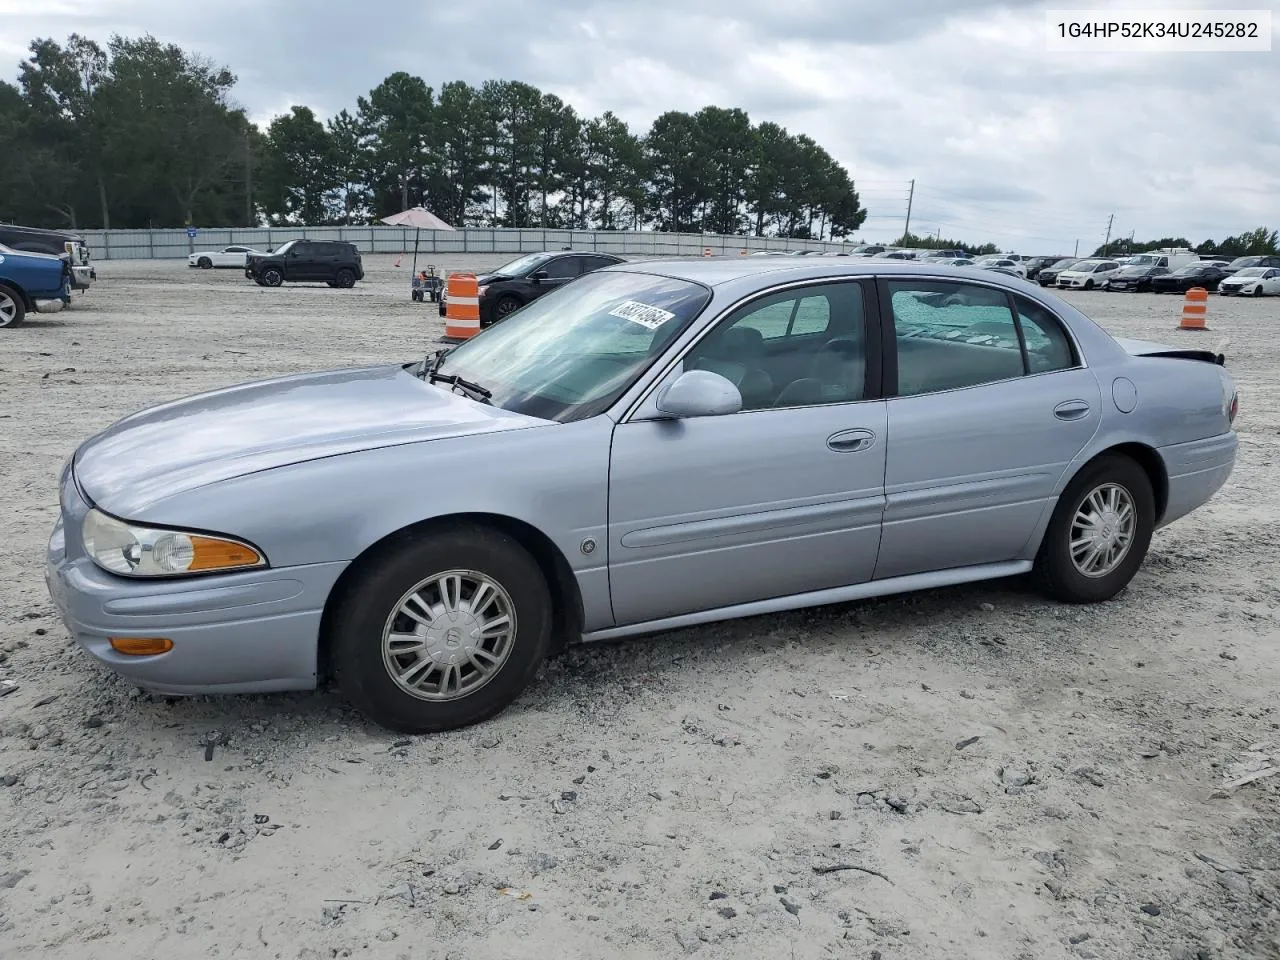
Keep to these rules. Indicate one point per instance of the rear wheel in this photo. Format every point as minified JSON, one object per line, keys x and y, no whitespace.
{"x":442,"y":630}
{"x":12,"y":309}
{"x":1099,"y":533}
{"x":272,"y":277}
{"x":345,"y":278}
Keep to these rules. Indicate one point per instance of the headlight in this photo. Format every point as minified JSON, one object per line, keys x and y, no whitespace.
{"x":480,"y":291}
{"x":134,"y":551}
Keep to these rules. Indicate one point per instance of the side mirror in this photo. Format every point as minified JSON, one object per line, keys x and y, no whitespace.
{"x":699,"y":393}
{"x":538,"y":276}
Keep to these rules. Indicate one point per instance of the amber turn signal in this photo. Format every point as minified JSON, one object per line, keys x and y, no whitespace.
{"x":211,"y":554}
{"x":141,"y":646}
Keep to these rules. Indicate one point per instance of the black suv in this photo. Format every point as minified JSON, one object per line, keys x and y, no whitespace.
{"x":335,"y":262}
{"x":526,"y":278}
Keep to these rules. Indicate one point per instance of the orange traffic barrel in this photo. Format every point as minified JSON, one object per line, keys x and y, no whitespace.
{"x":1194,"y":307}
{"x":706,"y":251}
{"x":462,"y":307}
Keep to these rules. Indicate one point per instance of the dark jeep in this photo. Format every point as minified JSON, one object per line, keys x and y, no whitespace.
{"x":335,"y":262}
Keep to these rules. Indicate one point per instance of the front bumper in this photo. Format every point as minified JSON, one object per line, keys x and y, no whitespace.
{"x":251,"y":632}
{"x":81,"y":277}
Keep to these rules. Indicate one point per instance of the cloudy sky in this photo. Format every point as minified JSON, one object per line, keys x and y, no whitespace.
{"x":1005,"y":140}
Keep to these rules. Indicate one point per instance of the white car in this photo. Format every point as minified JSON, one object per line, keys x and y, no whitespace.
{"x":226,"y":257}
{"x":1253,"y":281}
{"x":1088,"y":274}
{"x":990,"y":263}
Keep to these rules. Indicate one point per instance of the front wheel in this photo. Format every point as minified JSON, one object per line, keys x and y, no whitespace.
{"x":204,"y":263}
{"x":505,"y":307}
{"x":1257,"y":291}
{"x":1088,"y":284}
{"x":271,"y":277}
{"x":1099,"y":533}
{"x":441,"y":631}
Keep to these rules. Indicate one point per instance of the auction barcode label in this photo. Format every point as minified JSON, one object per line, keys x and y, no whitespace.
{"x":1157,"y":31}
{"x":641,"y":313}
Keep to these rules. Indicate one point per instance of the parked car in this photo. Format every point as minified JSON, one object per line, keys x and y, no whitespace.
{"x":335,"y":262}
{"x":233,"y":256}
{"x":1252,"y":281}
{"x":704,"y":439}
{"x":954,"y":262}
{"x":31,"y":283}
{"x":1048,"y":276}
{"x":1087,"y":274}
{"x":1136,"y":278}
{"x":892,"y":255}
{"x":868,"y":249}
{"x":1241,"y":263}
{"x":526,"y":278}
{"x":59,"y":243}
{"x":1006,"y":264}
{"x":1036,"y":264}
{"x":1192,"y":275}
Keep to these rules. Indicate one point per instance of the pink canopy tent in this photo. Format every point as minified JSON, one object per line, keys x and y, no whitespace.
{"x":420,"y":218}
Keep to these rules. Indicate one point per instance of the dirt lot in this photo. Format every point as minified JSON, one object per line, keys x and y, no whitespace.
{"x":1010,"y":778}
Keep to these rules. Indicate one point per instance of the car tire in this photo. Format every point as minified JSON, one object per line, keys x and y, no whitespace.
{"x":370,"y":609}
{"x":204,"y":263}
{"x":271,"y":277}
{"x":345,"y":279}
{"x":12,"y":310}
{"x":505,"y":306}
{"x":1063,"y":576}
{"x":1088,"y":284}
{"x":1257,"y":291}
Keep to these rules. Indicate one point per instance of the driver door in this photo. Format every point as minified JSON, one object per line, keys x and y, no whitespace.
{"x":784,"y":497}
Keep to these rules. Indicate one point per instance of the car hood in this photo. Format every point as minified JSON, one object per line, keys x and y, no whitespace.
{"x":272,"y":423}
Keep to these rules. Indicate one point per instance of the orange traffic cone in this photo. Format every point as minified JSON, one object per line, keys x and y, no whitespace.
{"x":398,"y":259}
{"x":1194,"y":307}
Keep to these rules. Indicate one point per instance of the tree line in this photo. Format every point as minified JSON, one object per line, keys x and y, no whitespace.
{"x":1256,"y":242}
{"x":141,"y":133}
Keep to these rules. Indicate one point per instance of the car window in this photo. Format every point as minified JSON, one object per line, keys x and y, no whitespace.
{"x":952,"y":335}
{"x":794,"y":348}
{"x":234,"y":250}
{"x":1048,"y":346}
{"x":595,"y":263}
{"x":563,"y":268}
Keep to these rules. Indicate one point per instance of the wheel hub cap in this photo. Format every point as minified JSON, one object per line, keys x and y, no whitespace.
{"x":449,"y":635}
{"x":1102,"y":530}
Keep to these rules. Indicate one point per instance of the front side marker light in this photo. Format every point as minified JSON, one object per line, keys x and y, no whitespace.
{"x":141,"y":646}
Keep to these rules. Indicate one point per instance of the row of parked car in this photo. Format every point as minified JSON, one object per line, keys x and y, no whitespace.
{"x":1256,"y":276}
{"x":38,"y":271}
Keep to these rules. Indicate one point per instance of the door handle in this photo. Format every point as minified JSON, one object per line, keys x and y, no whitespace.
{"x":1071,"y":410}
{"x":849,"y":441}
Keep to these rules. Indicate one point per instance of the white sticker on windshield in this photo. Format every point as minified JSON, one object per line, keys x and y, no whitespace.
{"x":641,"y":313}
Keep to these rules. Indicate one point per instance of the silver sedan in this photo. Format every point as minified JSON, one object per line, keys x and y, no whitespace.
{"x":655,"y":445}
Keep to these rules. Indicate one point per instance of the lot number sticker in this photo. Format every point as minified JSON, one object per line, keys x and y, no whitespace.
{"x":642,"y":313}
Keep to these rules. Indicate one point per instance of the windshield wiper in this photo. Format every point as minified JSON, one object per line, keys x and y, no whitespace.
{"x":474,"y":390}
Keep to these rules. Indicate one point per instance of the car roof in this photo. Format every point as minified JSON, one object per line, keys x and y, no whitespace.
{"x":715,"y":271}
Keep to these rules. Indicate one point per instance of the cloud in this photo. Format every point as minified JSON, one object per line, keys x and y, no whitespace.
{"x":1004,"y":139}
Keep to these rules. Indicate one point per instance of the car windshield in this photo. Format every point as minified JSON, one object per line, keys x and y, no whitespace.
{"x":1063,"y":264}
{"x":1134,"y":270}
{"x":1190,"y":270}
{"x":1251,"y":272}
{"x":1239,"y":262}
{"x":521,"y":265}
{"x":284,"y":247}
{"x":1084,"y":266}
{"x":570,"y":354}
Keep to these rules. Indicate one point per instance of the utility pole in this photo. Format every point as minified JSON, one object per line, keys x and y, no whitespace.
{"x":1108,"y":240}
{"x":248,"y":182}
{"x":910,"y":196}
{"x":1077,"y":251}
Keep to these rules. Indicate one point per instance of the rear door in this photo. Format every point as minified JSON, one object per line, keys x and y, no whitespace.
{"x":989,"y":403}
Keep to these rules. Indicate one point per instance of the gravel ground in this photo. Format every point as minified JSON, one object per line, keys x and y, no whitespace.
{"x":971,"y":772}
